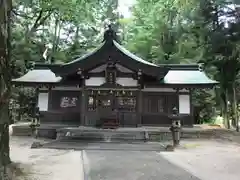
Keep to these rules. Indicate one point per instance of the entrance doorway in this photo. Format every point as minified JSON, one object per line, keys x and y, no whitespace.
{"x":112,"y":108}
{"x":107,"y":111}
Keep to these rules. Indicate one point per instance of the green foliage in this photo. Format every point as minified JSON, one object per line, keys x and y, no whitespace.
{"x":161,"y":33}
{"x":68,"y":28}
{"x":204,"y":103}
{"x":64,"y":25}
{"x":176,"y":31}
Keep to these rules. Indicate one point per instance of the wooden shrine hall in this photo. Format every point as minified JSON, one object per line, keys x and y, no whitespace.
{"x":112,"y":87}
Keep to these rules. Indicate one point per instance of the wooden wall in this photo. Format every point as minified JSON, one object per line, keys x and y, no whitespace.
{"x":157,"y":106}
{"x":63,"y":107}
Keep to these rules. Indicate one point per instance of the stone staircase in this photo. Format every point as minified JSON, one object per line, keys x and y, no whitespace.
{"x":102,"y":135}
{"x":156,"y":134}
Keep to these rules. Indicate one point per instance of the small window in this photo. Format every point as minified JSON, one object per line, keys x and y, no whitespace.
{"x":154,"y":104}
{"x":126,"y":103}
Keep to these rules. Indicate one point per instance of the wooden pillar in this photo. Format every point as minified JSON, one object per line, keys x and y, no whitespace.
{"x":177,"y":94}
{"x":191,"y":106}
{"x":83,"y":106}
{"x":139,"y":112}
{"x":83,"y":99}
{"x":140,"y":98}
{"x":50,"y":98}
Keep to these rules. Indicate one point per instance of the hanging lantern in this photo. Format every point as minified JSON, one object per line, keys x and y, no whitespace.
{"x":92,"y":92}
{"x":123,"y":92}
{"x":111,"y":92}
{"x":98,"y":92}
{"x":130,"y":93}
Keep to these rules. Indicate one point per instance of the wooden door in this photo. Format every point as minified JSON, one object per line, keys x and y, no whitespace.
{"x":106,"y":110}
{"x":105,"y":104}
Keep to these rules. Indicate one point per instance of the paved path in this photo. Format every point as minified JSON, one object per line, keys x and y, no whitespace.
{"x":119,"y":165}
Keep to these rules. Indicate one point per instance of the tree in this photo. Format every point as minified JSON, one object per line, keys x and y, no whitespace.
{"x":222,"y":40}
{"x":5,"y":82}
{"x":205,"y":31}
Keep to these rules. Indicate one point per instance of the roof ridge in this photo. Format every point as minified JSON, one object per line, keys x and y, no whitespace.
{"x":45,"y":66}
{"x":181,"y":66}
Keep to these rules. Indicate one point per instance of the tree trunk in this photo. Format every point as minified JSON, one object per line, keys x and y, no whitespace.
{"x":5,"y":82}
{"x":235,"y":108}
{"x":226,"y":107}
{"x":4,"y":141}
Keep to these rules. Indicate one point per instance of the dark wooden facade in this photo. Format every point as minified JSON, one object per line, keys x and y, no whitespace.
{"x":113,"y":85}
{"x":130,"y":107}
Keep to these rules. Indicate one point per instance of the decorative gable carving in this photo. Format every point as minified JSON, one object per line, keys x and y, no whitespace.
{"x":99,"y":69}
{"x":103,"y":67}
{"x":123,"y":69}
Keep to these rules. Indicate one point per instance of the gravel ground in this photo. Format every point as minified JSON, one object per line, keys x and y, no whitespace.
{"x":45,"y":164}
{"x":208,"y":159}
{"x":196,"y":160}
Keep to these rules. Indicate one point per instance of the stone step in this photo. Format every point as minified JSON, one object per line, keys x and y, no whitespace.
{"x":105,"y":135}
{"x":125,"y":146}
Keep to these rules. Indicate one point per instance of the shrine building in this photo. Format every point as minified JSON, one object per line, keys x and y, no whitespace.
{"x":111,"y":86}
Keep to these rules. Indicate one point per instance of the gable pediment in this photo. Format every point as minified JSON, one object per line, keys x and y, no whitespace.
{"x":103,"y":67}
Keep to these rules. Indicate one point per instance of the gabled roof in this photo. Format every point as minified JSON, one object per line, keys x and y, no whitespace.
{"x":38,"y":76}
{"x":86,"y":55}
{"x":166,"y":74}
{"x":186,"y":74}
{"x":110,"y":49}
{"x":187,"y":77}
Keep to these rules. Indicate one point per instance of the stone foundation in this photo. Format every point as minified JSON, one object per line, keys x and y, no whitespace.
{"x":54,"y":131}
{"x":105,"y":135}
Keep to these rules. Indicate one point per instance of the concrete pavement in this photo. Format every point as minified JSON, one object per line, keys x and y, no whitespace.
{"x":131,"y":165}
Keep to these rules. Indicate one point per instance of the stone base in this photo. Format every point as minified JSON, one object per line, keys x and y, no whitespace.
{"x":20,"y":129}
{"x":62,"y":131}
{"x":104,"y":135}
{"x":50,"y":133}
{"x":50,"y":130}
